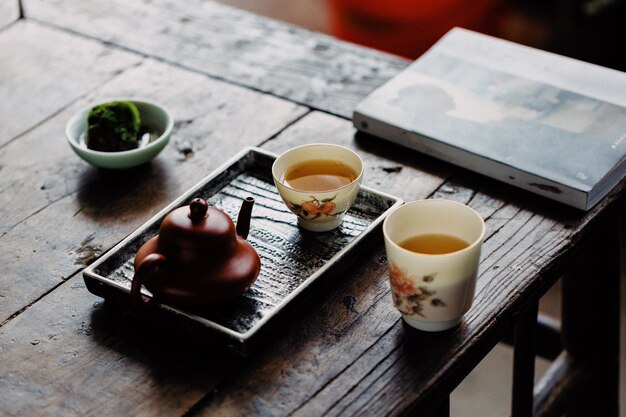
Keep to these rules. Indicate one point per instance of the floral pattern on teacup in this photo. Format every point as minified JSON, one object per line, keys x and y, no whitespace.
{"x":408,"y":295}
{"x":314,"y":208}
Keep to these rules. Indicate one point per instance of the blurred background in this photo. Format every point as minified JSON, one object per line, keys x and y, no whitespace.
{"x":591,"y":30}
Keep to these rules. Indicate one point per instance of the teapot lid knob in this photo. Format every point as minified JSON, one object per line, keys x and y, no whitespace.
{"x":197,"y":209}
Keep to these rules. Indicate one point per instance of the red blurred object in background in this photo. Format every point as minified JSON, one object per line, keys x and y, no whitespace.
{"x":408,"y":27}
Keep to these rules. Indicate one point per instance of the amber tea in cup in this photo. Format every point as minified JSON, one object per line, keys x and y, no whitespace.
{"x":318,"y":183}
{"x":434,"y":243}
{"x":319,"y":175}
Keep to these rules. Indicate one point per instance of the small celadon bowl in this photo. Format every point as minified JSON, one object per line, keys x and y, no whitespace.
{"x":154,"y":118}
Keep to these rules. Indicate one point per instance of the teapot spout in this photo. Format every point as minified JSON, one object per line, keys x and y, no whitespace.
{"x":245,"y":214}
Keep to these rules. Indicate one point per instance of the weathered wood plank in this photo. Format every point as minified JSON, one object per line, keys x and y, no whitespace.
{"x":214,"y":39}
{"x":345,"y":354}
{"x":349,"y":354}
{"x":353,"y":356}
{"x":388,"y":167}
{"x":9,"y":12}
{"x":55,"y":308}
{"x":43,"y":70}
{"x":57,"y":213}
{"x":70,"y":355}
{"x":61,"y":213}
{"x":404,"y":370}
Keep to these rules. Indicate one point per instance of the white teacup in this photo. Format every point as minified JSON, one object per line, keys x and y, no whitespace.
{"x":433,"y":291}
{"x":318,"y":211}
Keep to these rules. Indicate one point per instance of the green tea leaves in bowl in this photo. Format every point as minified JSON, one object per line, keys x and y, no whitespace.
{"x":113,"y":127}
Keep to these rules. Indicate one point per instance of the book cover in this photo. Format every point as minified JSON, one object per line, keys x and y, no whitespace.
{"x":542,"y":122}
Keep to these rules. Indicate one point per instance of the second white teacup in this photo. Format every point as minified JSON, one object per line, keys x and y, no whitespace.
{"x":433,"y":250}
{"x":318,"y":183}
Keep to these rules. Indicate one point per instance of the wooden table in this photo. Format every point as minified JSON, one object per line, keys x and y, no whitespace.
{"x":233,"y":79}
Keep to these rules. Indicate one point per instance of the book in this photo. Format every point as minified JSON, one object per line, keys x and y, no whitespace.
{"x":543,"y":122}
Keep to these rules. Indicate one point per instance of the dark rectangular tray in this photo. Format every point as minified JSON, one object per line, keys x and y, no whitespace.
{"x":292,"y":259}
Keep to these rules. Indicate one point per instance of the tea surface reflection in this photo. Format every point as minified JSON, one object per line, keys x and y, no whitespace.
{"x":434,"y":244}
{"x":318,"y":175}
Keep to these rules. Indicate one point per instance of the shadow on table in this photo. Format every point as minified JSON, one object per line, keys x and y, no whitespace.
{"x":162,"y":348}
{"x":107,"y":194}
{"x":460,"y":179}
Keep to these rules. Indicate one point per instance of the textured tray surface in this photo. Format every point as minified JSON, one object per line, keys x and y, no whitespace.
{"x":291,"y":258}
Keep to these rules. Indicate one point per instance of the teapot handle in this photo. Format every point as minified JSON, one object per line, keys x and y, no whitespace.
{"x":149,"y":265}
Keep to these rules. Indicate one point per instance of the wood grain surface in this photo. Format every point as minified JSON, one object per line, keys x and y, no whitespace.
{"x":354,"y":356}
{"x":58,"y":213}
{"x":64,"y":351}
{"x":72,"y":67}
{"x":298,"y":65}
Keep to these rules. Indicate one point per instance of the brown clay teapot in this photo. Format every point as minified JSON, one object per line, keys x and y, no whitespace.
{"x":198,"y":258}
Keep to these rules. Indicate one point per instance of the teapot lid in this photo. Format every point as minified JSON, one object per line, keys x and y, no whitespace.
{"x":198,"y":225}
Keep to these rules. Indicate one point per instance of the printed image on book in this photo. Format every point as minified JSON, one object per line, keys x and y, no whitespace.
{"x":539,"y":121}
